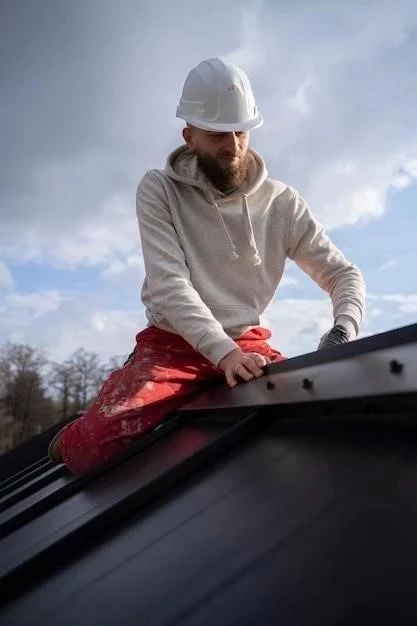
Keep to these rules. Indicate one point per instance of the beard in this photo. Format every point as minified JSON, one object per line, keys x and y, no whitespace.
{"x":223,"y":178}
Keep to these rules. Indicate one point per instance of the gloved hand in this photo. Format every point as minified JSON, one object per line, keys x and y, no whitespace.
{"x":334,"y":337}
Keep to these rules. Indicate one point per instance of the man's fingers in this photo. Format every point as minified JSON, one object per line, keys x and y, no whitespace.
{"x":233,"y":376}
{"x":247,"y":371}
{"x":250,"y":367}
{"x":253,"y":365}
{"x":231,"y":379}
{"x":262,"y":360}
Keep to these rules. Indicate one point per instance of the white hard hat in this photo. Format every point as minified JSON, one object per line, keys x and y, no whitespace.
{"x":218,"y":96}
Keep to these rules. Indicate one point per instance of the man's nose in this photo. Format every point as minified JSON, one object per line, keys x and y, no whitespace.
{"x":232,"y":142}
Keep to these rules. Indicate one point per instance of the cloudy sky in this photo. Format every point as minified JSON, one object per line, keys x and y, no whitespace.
{"x":88,"y":92}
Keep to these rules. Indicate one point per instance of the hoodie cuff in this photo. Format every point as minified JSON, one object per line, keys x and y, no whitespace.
{"x":216,"y":349}
{"x":349,"y":323}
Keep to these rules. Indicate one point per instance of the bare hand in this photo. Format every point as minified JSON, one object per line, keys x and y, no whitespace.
{"x":242,"y":365}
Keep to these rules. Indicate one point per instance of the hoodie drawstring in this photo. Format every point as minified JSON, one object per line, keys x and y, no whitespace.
{"x":235,"y":255}
{"x":247,"y":224}
{"x":249,"y":231}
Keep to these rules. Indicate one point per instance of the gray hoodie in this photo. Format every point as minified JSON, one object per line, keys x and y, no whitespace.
{"x":213,"y":261}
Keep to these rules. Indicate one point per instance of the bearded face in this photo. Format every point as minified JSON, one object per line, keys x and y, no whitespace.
{"x":222,"y":156}
{"x":225,"y":172}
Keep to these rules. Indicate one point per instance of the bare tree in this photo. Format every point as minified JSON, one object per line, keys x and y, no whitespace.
{"x":114,"y":363}
{"x":21,"y":373}
{"x":87,"y":377}
{"x":62,"y":380}
{"x":36,"y":393}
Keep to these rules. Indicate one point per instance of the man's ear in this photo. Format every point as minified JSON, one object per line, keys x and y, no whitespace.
{"x":187,"y":136}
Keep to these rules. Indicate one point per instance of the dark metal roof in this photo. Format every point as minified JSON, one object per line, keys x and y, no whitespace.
{"x":235,"y":511}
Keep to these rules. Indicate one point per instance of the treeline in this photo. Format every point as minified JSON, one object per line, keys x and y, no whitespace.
{"x":36,"y":393}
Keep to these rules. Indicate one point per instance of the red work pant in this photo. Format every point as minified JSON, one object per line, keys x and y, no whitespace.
{"x":163,"y":372}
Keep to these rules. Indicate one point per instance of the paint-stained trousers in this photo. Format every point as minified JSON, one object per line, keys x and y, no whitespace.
{"x":161,"y":374}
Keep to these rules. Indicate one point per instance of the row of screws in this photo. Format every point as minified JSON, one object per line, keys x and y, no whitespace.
{"x":395,"y":367}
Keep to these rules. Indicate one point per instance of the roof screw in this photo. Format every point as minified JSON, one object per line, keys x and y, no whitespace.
{"x":395,"y":367}
{"x":307,"y":384}
{"x":270,"y":385}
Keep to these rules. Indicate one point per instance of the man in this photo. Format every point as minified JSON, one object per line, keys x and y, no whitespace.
{"x":216,"y":232}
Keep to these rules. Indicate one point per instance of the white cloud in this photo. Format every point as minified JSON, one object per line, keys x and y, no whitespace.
{"x":297,"y":324}
{"x":407,"y":303}
{"x":348,"y":193}
{"x":406,"y":175}
{"x":318,"y":84}
{"x":401,"y":181}
{"x":60,"y":323}
{"x":388,"y":265}
{"x":28,"y":317}
{"x":340,"y":156}
{"x":132,"y":263}
{"x":372,"y":313}
{"x":411,"y":168}
{"x":250,"y":53}
{"x":6,"y":278}
{"x":335,"y":85}
{"x":288,"y":281}
{"x":36,"y":305}
{"x":392,"y":311}
{"x":298,"y":100}
{"x":102,"y":237}
{"x":107,"y":332}
{"x":365,"y":203}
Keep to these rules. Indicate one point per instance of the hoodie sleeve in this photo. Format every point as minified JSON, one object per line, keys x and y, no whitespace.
{"x":312,"y":250}
{"x":168,"y":278}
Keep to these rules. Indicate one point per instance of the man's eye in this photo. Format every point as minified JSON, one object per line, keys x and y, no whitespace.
{"x":221,"y":135}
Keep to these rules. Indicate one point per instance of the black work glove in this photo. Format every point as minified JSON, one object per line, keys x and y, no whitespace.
{"x":334,"y":337}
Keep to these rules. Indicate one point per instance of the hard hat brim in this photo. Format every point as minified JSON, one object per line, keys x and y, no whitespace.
{"x":224,"y":128}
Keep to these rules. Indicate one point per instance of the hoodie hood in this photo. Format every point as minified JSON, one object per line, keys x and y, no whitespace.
{"x":182,"y":166}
